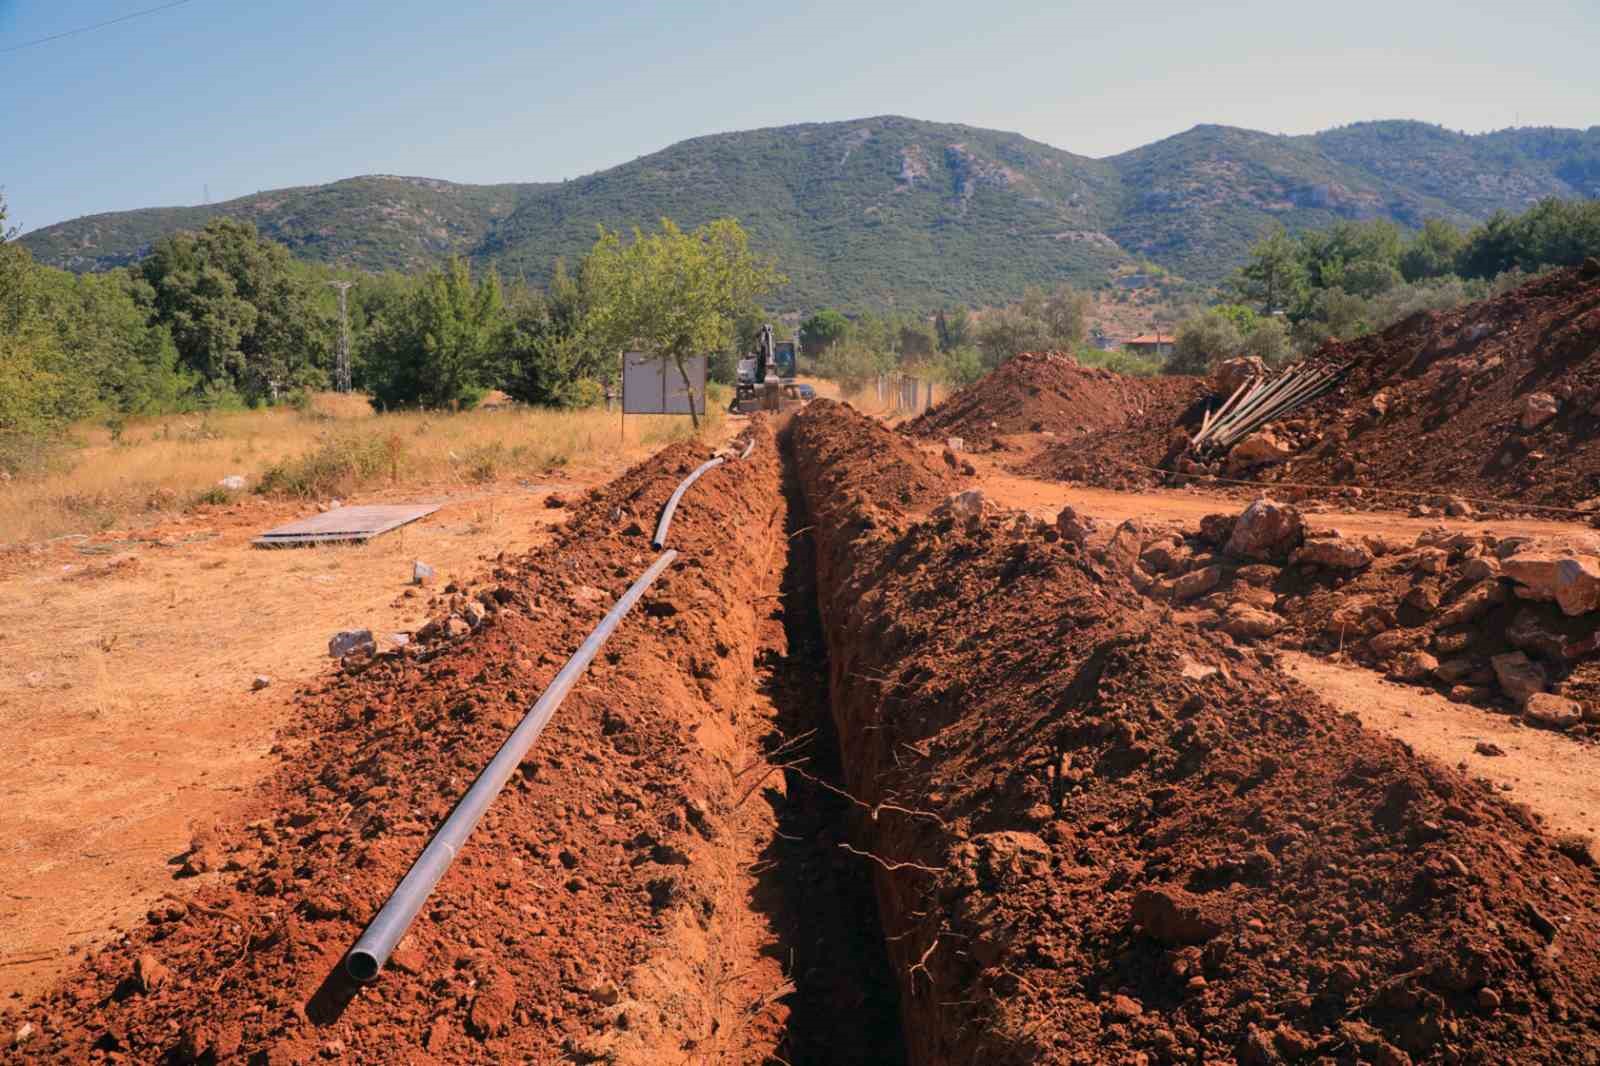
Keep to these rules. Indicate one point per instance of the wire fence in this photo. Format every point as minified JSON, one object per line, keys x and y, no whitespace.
{"x":900,"y":393}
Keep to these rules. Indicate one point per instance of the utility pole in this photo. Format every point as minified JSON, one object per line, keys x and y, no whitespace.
{"x":341,"y":367}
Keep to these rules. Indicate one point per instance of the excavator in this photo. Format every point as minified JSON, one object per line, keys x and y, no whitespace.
{"x":767,"y":377}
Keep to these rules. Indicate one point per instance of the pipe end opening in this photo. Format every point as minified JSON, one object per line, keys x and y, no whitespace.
{"x":363,"y":966}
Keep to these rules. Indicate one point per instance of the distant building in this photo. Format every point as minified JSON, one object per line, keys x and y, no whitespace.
{"x":1149,"y":344}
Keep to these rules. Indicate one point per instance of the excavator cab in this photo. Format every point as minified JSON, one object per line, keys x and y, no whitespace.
{"x":766,"y":378}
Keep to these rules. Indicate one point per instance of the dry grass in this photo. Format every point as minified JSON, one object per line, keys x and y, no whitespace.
{"x":161,"y":466}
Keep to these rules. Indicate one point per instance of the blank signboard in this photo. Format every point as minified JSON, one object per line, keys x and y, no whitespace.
{"x":652,"y":385}
{"x":344,"y":524}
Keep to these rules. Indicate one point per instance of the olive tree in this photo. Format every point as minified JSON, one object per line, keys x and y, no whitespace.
{"x":675,"y":293}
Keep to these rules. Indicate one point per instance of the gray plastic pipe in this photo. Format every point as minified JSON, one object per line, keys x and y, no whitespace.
{"x":660,"y":539}
{"x":366,"y":959}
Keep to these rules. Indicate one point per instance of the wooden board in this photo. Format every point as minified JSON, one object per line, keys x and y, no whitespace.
{"x":353,"y":524}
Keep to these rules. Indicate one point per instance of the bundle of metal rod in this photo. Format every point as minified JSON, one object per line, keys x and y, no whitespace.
{"x":1262,"y":400}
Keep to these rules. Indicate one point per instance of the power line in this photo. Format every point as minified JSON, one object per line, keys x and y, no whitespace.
{"x":96,"y":26}
{"x":341,"y":369}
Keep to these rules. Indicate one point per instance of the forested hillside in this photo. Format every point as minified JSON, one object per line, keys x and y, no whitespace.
{"x":897,"y":213}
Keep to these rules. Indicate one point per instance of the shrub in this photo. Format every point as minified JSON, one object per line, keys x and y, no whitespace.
{"x":337,"y":466}
{"x":216,"y":495}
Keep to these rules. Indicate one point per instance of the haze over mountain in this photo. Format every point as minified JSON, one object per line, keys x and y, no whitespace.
{"x":892,"y":211}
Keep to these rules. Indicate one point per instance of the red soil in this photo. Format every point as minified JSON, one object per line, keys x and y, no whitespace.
{"x":1101,"y":837}
{"x":1454,"y":385}
{"x":1433,"y":405}
{"x":600,"y":910}
{"x":1047,"y":391}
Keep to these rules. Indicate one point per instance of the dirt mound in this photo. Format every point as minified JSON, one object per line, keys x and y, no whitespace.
{"x":601,"y":909}
{"x":1098,"y":836}
{"x":1496,"y":399}
{"x":900,"y":473}
{"x":1045,"y":392}
{"x":1133,"y":455}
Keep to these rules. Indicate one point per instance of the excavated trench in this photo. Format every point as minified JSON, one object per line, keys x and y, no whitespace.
{"x":1097,"y":836}
{"x":660,"y":883}
{"x":820,"y":895}
{"x":866,"y":780}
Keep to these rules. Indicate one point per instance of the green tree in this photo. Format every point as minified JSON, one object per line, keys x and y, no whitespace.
{"x":438,"y":347}
{"x":1269,"y":340}
{"x":111,"y":356}
{"x":674,"y":293}
{"x":549,"y":359}
{"x":1202,"y":341}
{"x":1551,"y":233}
{"x":1334,"y":313}
{"x":1065,"y":314}
{"x":1330,"y":253}
{"x":243,"y":315}
{"x":30,"y":392}
{"x":916,"y":341}
{"x":961,"y":366}
{"x":822,"y":331}
{"x":1433,"y":252}
{"x":852,"y":363}
{"x":1275,"y":276}
{"x":1008,"y":332}
{"x":1244,"y":320}
{"x":953,"y":328}
{"x":1365,"y":277}
{"x":1055,"y":321}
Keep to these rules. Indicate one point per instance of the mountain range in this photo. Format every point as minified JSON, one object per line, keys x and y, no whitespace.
{"x":897,"y":212}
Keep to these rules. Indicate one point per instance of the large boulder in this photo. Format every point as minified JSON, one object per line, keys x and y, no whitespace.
{"x":1394,"y":641}
{"x":1215,"y":529}
{"x":1414,"y":666}
{"x":1519,"y":676}
{"x":1258,"y":449}
{"x":1535,"y":571}
{"x":351,"y":642}
{"x":970,"y":505}
{"x":1528,"y":632}
{"x":1266,"y":530}
{"x":1166,"y":556}
{"x":1245,"y":622}
{"x":1551,"y":711}
{"x":1472,"y":604}
{"x":1536,"y":409}
{"x":1231,"y":373}
{"x":1335,"y":553}
{"x":1074,"y":526}
{"x":1577,"y":584}
{"x":1173,"y":916}
{"x":1126,"y":544}
{"x":1196,"y":583}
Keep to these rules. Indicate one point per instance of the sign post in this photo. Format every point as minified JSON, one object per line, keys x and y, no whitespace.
{"x":652,"y":385}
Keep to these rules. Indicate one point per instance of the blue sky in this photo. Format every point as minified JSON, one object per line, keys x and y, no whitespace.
{"x":241,"y":97}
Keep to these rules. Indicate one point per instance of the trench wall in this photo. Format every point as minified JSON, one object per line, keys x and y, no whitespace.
{"x":600,"y":911}
{"x":1098,"y":836}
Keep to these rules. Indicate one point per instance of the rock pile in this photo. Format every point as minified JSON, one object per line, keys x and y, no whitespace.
{"x":1500,"y":621}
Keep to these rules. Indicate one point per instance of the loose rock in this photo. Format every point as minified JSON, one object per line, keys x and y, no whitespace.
{"x":1519,"y":676}
{"x":351,"y":642}
{"x":1266,"y":530}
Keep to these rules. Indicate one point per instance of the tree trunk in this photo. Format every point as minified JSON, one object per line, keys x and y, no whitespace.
{"x":688,"y":387}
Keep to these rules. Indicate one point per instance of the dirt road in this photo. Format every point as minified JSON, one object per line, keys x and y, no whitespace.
{"x":1553,"y":775}
{"x":1045,"y":499}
